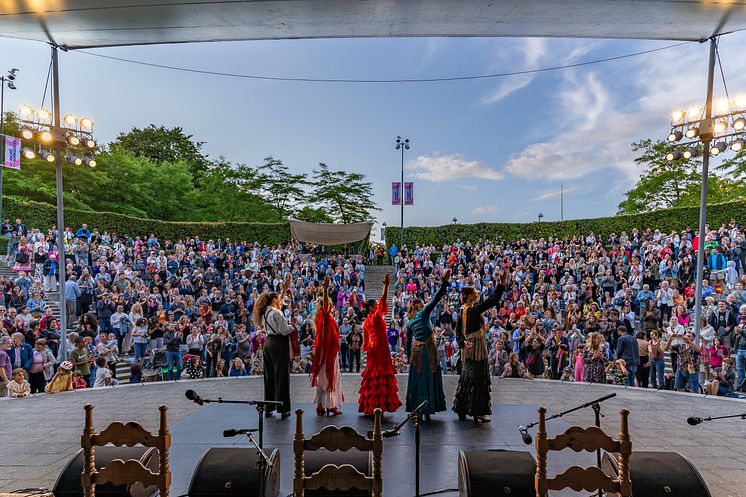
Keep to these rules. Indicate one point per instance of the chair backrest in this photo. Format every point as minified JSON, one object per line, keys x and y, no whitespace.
{"x":338,"y":477}
{"x":119,"y":472}
{"x":588,"y":439}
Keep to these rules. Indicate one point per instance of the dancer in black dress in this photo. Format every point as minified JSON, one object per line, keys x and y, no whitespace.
{"x":473,"y":390}
{"x":268,"y":315}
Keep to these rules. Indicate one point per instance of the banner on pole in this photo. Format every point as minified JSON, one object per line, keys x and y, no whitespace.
{"x":408,"y":193}
{"x":12,"y":152}
{"x":395,"y":193}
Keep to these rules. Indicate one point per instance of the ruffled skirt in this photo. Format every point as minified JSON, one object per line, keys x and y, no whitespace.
{"x":473,"y":390}
{"x":329,"y":396}
{"x":378,"y":389}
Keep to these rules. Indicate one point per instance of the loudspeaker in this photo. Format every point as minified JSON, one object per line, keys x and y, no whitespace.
{"x":496,"y":472}
{"x":314,"y":460}
{"x":660,"y":474}
{"x":231,"y":472}
{"x":68,"y":482}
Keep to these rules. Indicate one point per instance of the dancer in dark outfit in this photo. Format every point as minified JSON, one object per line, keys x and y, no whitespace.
{"x":473,"y":390}
{"x":268,"y":314}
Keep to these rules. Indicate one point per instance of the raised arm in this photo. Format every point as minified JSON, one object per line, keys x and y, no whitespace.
{"x":428,"y":309}
{"x":384,"y":303}
{"x":325,"y":298}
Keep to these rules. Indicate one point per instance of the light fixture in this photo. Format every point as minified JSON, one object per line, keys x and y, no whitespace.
{"x":675,"y":135}
{"x":86,"y":123}
{"x":47,"y":156}
{"x":90,"y":143}
{"x":70,"y":120}
{"x":692,"y":132}
{"x":29,"y":153}
{"x":737,"y":145}
{"x":694,"y":111}
{"x":73,"y":159}
{"x":88,"y":161}
{"x":677,"y":115}
{"x":27,"y":134}
{"x":73,"y":140}
{"x":691,"y":152}
{"x":739,"y":123}
{"x":11,"y":85}
{"x":720,"y":127}
{"x":44,"y":115}
{"x":25,"y":110}
{"x":675,"y":155}
{"x":722,"y":105}
{"x":46,"y":136}
{"x":718,"y":147}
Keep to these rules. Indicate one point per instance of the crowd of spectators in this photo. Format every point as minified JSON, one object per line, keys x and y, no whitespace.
{"x":589,"y":308}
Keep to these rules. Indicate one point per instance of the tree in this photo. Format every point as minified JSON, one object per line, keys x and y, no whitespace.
{"x":161,"y":144}
{"x":313,"y":215}
{"x":347,"y":197}
{"x":280,"y":188}
{"x":663,"y":183}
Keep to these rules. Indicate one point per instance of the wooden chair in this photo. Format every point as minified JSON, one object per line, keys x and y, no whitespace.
{"x":588,"y":439}
{"x":338,"y":477}
{"x":119,"y":472}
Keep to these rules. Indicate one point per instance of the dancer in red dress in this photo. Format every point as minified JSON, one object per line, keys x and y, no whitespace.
{"x":378,"y":388}
{"x":325,"y":374}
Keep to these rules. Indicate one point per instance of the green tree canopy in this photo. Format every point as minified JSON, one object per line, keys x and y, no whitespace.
{"x":347,"y":197}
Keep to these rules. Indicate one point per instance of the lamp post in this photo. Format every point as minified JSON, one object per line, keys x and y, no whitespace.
{"x":454,"y":220}
{"x":8,"y":81}
{"x":402,"y":144}
{"x":540,"y":216}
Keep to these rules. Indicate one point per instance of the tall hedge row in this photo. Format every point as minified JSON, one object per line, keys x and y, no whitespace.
{"x":664,"y":220}
{"x":37,"y":214}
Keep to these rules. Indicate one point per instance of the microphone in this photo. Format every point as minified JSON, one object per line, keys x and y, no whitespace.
{"x":525,"y":435}
{"x":694,"y":421}
{"x":233,"y":432}
{"x":192,"y":395}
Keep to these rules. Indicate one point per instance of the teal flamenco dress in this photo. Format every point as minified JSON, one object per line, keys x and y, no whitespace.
{"x":425,"y":377}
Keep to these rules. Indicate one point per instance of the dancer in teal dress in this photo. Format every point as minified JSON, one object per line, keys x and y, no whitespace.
{"x":425,"y":377}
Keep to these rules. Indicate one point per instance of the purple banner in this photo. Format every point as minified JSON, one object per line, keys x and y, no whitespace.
{"x":395,"y":193}
{"x":408,"y":193}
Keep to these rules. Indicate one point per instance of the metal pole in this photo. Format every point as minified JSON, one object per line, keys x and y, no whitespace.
{"x":2,"y":126}
{"x":60,"y":208}
{"x":703,"y":192}
{"x":401,"y":199}
{"x":562,"y":202}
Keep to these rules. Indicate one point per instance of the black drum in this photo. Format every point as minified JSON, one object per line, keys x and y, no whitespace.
{"x":231,"y":472}
{"x":496,"y":472}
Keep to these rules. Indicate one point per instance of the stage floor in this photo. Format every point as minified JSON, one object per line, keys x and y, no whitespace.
{"x":441,"y":441}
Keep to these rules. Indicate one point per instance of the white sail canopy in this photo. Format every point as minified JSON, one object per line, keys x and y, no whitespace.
{"x":329,"y":234}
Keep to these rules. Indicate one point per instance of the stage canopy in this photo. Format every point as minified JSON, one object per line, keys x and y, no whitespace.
{"x":104,"y":23}
{"x":329,"y":234}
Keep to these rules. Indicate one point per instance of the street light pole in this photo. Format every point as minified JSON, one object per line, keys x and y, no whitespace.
{"x":402,"y":144}
{"x":4,"y":80}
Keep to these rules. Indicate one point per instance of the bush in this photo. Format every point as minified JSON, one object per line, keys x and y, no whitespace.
{"x":665,"y":220}
{"x":43,"y":216}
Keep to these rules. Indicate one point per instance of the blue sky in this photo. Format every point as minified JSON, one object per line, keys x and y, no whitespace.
{"x":484,"y":150}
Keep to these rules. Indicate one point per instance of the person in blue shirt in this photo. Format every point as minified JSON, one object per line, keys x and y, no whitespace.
{"x":393,"y":250}
{"x":627,"y":349}
{"x":83,"y":233}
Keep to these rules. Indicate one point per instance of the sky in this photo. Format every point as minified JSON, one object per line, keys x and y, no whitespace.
{"x":488,"y":150}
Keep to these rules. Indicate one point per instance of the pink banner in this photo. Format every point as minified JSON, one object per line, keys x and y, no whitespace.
{"x":408,"y":193}
{"x":12,"y":152}
{"x":395,"y":193}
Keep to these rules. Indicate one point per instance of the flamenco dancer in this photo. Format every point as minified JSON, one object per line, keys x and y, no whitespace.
{"x":378,"y":388}
{"x":325,"y":374}
{"x":268,"y":315}
{"x":425,"y":376}
{"x":473,"y":390}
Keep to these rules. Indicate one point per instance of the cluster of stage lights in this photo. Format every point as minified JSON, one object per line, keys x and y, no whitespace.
{"x":726,"y":129}
{"x":75,"y":134}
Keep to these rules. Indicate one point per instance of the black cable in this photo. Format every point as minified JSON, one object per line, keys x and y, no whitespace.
{"x":722,"y":74}
{"x":388,"y":81}
{"x":46,"y":85}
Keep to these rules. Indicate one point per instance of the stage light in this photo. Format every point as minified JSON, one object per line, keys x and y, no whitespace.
{"x":675,"y":135}
{"x":73,"y":140}
{"x":70,"y":120}
{"x":692,"y":132}
{"x":86,"y":123}
{"x":46,"y":136}
{"x":90,"y":143}
{"x":28,"y":153}
{"x":74,"y":159}
{"x":739,"y":123}
{"x":722,"y":105}
{"x":44,"y":115}
{"x":718,"y":147}
{"x":47,"y":156}
{"x":695,"y":111}
{"x":675,"y":155}
{"x":677,"y":115}
{"x":737,"y":145}
{"x":691,"y":152}
{"x":27,"y":134}
{"x":720,"y":127}
{"x":25,"y":110}
{"x":89,"y":162}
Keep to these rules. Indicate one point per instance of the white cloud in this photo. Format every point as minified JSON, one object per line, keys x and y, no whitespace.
{"x":485,"y":209}
{"x":468,"y":188}
{"x":439,"y":168}
{"x":557,"y":193}
{"x":532,"y":51}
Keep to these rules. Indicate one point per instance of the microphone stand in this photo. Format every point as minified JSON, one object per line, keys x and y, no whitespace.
{"x":742,"y":416}
{"x":596,"y":406}
{"x":263,"y":463}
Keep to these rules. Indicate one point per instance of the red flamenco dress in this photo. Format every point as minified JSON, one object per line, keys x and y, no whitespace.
{"x":378,"y":388}
{"x":325,"y":375}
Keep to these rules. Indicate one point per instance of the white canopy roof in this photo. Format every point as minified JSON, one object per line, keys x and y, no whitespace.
{"x":329,"y":234}
{"x":104,"y":23}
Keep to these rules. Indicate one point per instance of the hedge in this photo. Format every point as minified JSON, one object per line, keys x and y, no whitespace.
{"x":664,"y":220}
{"x":41,"y":215}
